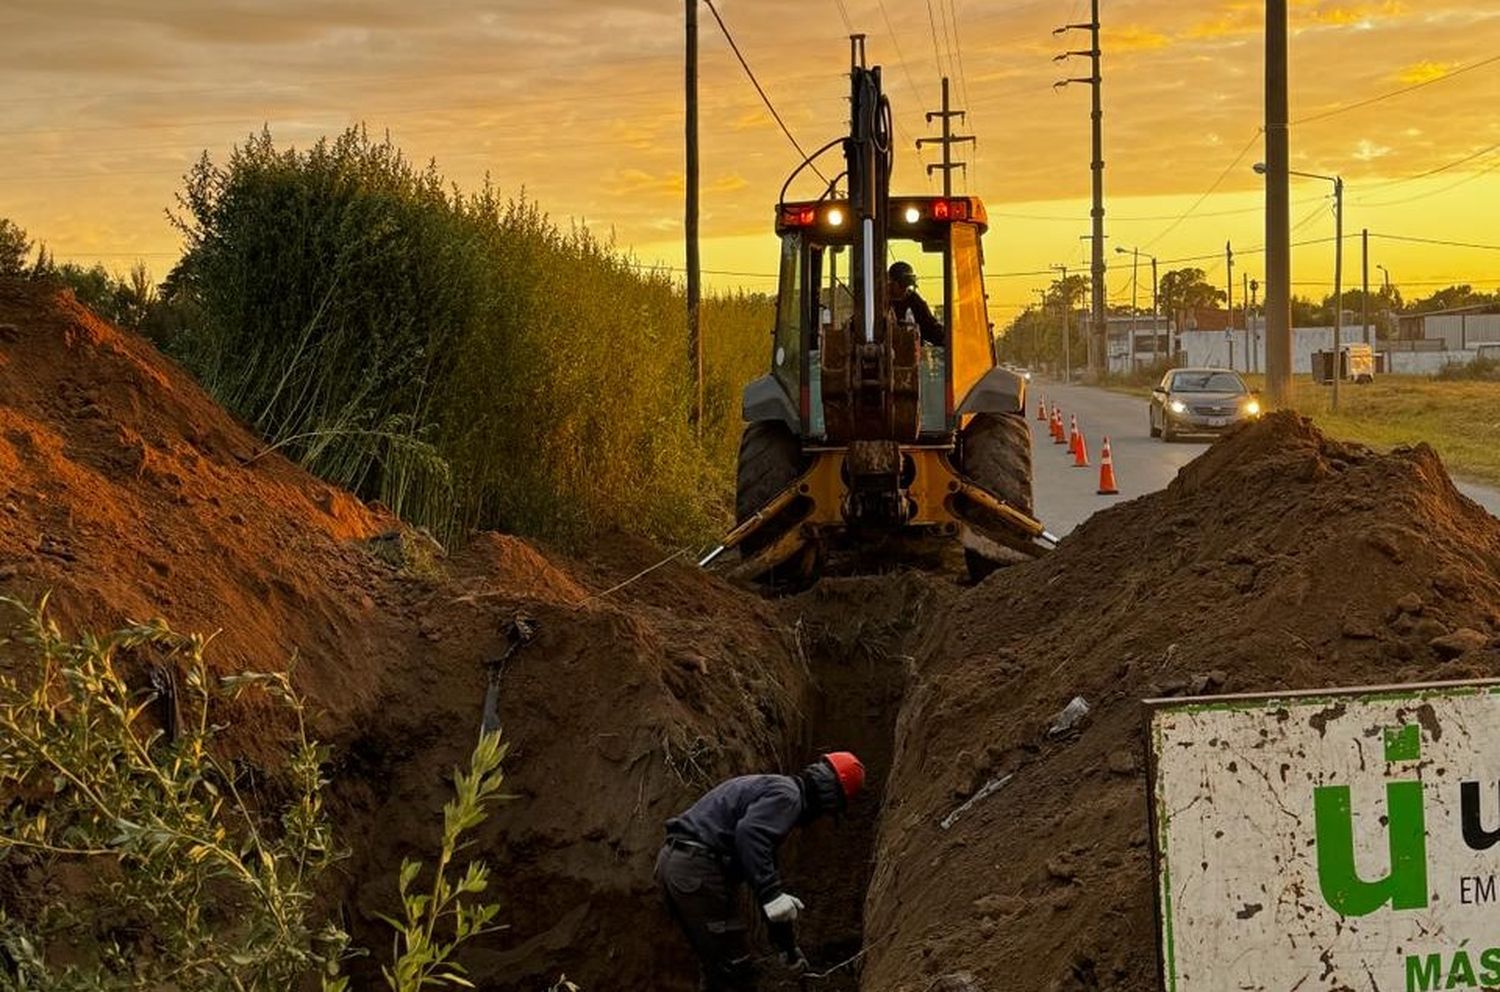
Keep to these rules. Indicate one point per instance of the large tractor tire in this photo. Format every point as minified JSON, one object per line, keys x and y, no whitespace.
{"x":770,"y":460}
{"x":996,"y":453}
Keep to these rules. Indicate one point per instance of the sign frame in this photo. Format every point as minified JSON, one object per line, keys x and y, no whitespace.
{"x":1151,"y":707}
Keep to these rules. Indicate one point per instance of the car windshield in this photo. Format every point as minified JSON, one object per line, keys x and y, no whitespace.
{"x":1207,"y":382}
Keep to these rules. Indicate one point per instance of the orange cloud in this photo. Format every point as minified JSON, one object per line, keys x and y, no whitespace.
{"x":1425,"y":72}
{"x":1134,"y":39}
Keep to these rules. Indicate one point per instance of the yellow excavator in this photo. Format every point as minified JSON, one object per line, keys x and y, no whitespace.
{"x":861,"y":429}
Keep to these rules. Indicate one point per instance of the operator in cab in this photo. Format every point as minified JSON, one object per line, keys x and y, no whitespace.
{"x":910,"y":306}
{"x":728,"y":840}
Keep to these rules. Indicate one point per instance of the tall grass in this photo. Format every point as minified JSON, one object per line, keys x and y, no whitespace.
{"x":458,"y":356}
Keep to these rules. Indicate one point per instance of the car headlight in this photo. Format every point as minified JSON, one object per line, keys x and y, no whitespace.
{"x":1253,"y":408}
{"x":1178,"y":406}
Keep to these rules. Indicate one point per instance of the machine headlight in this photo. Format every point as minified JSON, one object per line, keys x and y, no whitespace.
{"x":1178,"y":406}
{"x":913,"y":215}
{"x":835,"y":217}
{"x":1253,"y":408}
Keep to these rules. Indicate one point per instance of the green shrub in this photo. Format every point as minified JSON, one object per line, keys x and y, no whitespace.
{"x":1482,"y":369}
{"x":184,"y":875}
{"x":457,"y":356}
{"x":188,"y":884}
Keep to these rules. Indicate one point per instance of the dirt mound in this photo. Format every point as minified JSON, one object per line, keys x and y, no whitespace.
{"x":1279,"y":559}
{"x":127,"y":493}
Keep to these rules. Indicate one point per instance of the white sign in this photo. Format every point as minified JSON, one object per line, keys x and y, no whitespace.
{"x":1343,"y":840}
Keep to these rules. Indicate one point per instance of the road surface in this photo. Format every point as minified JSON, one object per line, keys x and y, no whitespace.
{"x":1066,"y":496}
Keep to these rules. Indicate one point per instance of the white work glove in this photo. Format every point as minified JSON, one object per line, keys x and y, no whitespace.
{"x":783,"y":909}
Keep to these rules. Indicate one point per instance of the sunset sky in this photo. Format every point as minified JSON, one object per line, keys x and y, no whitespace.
{"x":579,"y":102}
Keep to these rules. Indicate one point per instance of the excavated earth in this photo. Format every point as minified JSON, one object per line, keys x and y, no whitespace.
{"x":1277,"y":560}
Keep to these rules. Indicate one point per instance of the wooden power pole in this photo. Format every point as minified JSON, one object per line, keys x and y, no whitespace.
{"x":1278,"y":211}
{"x":1098,"y":326}
{"x":690,"y":219}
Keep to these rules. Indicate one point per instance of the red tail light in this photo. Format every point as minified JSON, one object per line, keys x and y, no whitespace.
{"x":799,"y":217}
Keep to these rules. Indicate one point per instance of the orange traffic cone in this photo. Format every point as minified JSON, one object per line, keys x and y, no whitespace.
{"x":1080,"y":451}
{"x":1072,"y":433}
{"x":1107,"y":486}
{"x":1041,"y":411}
{"x":1059,"y":432}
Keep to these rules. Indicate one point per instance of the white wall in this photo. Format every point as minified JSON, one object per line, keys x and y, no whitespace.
{"x":1462,"y":331}
{"x":1210,"y":348}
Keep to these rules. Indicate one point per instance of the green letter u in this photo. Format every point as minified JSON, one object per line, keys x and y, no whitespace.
{"x":1338,"y":878}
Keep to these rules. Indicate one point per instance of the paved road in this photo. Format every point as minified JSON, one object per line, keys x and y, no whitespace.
{"x":1066,"y":496}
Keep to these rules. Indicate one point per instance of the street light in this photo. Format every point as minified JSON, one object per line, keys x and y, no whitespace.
{"x":1155,"y":307}
{"x":1387,"y":273}
{"x":1338,"y":268}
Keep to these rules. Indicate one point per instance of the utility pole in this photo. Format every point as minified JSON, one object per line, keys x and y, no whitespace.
{"x":1135,"y":292}
{"x":1245,"y":306}
{"x":690,"y":220}
{"x":1278,"y":211}
{"x":1067,"y":324}
{"x":948,"y":139}
{"x":1364,"y":239}
{"x":1338,"y":287}
{"x":1229,"y":331}
{"x":1098,"y":325}
{"x":1255,"y":339}
{"x":1156,"y":314}
{"x":1036,"y":341}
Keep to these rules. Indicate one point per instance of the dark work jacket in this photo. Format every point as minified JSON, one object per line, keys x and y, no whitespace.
{"x":932,"y":331}
{"x":744,"y":820}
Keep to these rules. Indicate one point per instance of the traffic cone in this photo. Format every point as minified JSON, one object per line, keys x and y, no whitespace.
{"x":1107,"y":486}
{"x":1059,"y":432}
{"x":1080,"y":451}
{"x":1073,"y":434}
{"x":1041,"y":411}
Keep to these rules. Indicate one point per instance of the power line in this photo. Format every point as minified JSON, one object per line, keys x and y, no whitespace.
{"x":1437,"y":192}
{"x":759,"y":89}
{"x":1435,"y":241}
{"x":844,"y":13}
{"x":911,"y":81}
{"x":937,"y":57}
{"x":1395,"y":93}
{"x":1209,"y":192}
{"x":963,"y":85}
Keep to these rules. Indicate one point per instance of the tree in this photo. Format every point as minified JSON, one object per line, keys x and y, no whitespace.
{"x":1453,"y":297}
{"x":15,"y":248}
{"x":1187,"y":289}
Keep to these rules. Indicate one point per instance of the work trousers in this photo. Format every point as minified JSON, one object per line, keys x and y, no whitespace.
{"x":705,"y":902}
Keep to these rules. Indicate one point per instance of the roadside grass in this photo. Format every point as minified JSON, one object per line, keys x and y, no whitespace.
{"x":1459,"y":418}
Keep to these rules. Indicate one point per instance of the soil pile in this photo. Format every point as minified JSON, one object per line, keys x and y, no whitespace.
{"x":126,"y":492}
{"x":1277,"y":560}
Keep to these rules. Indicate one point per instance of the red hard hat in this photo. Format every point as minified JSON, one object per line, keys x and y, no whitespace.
{"x":850,"y":771}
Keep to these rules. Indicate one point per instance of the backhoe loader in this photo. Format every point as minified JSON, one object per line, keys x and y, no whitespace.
{"x":861,"y":430}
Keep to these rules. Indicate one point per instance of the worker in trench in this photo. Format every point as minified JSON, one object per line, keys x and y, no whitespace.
{"x":730,"y":837}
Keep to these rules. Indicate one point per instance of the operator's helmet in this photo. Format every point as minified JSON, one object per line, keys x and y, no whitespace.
{"x":902,"y":274}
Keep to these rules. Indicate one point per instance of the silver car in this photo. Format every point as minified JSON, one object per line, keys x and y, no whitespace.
{"x":1200,"y":401}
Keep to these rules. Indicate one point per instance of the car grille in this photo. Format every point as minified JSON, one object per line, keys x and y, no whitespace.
{"x":1212,"y":410}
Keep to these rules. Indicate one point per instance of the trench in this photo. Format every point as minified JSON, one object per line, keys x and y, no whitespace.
{"x":858,"y":637}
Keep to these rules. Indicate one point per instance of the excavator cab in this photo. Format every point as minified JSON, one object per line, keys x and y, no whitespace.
{"x":812,"y":302}
{"x":860,"y":429}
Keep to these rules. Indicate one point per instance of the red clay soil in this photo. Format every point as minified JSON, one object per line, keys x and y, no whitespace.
{"x":126,"y":492}
{"x":1277,"y":560}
